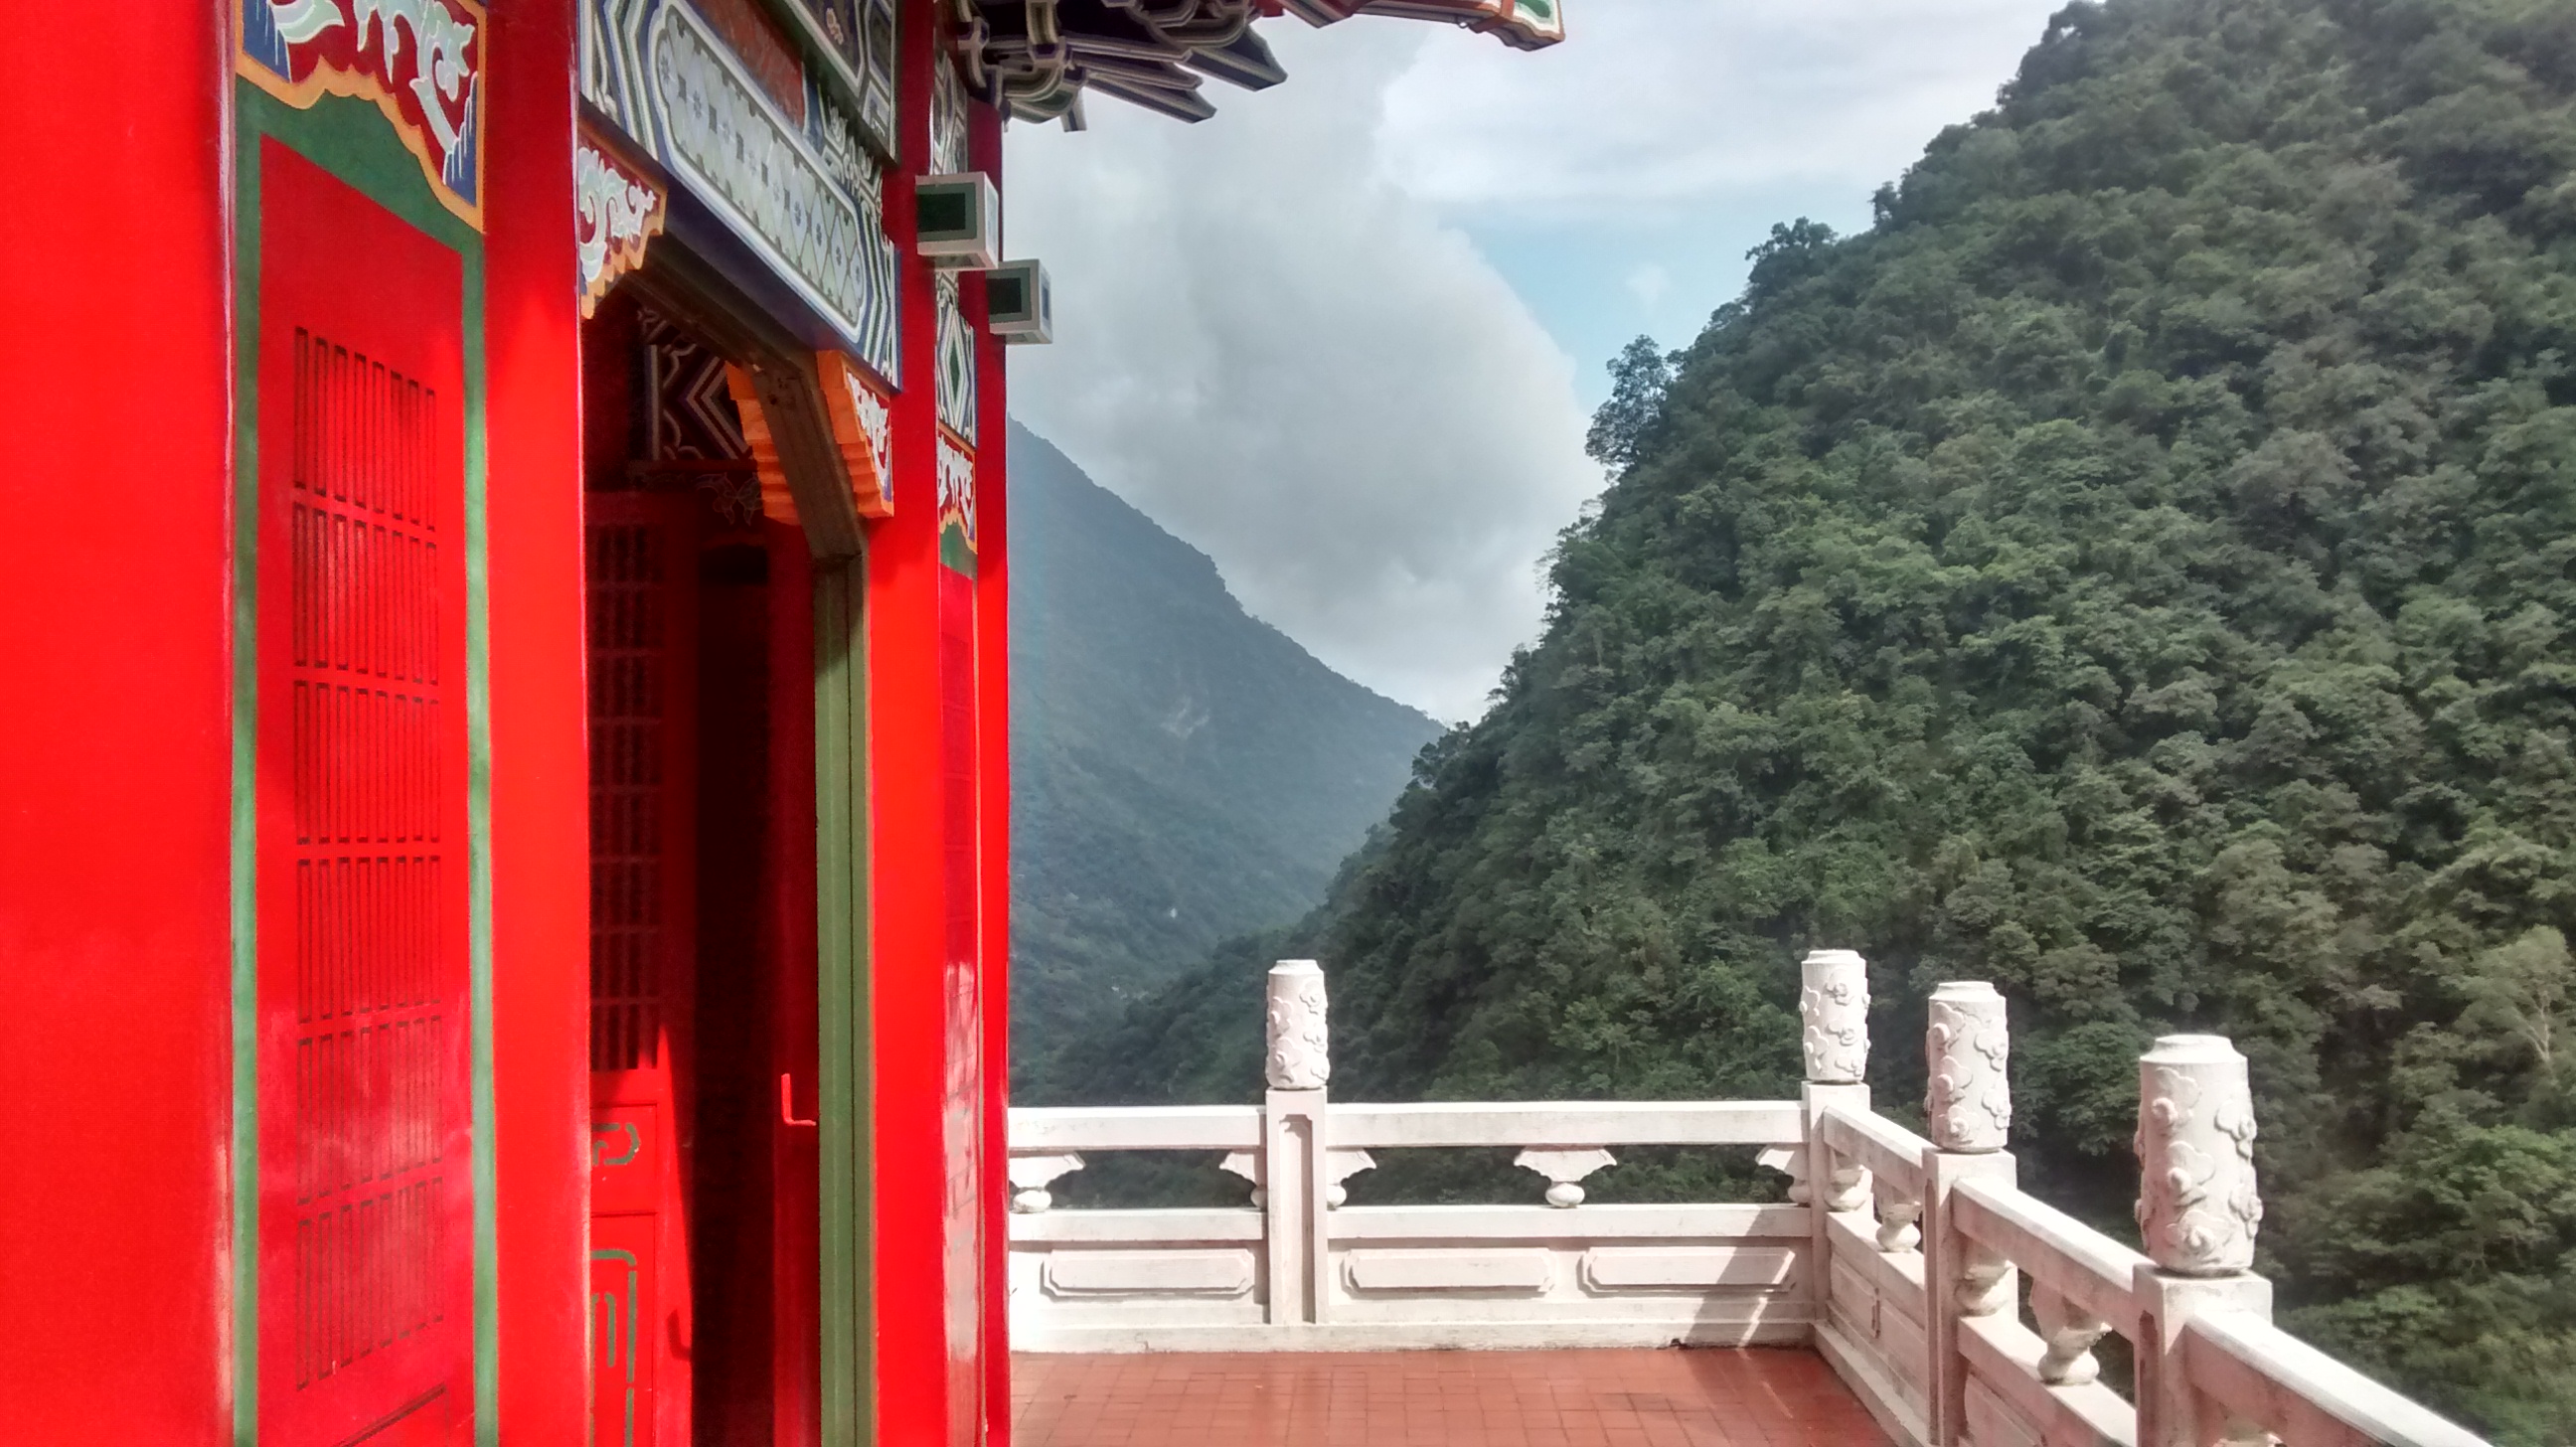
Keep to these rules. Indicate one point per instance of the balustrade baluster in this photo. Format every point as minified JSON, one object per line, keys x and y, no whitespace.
{"x":2070,"y":1332}
{"x":1898,"y":1211}
{"x":1030,"y":1177}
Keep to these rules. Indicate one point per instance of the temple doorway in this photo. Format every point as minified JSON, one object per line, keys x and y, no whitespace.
{"x":702,"y":821}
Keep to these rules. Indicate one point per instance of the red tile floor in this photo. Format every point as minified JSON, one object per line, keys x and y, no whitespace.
{"x":1685,"y":1398}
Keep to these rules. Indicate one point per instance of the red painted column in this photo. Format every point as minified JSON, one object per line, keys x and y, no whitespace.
{"x":115,"y":579}
{"x":993,"y":693}
{"x":540,"y":780}
{"x":906,"y":906}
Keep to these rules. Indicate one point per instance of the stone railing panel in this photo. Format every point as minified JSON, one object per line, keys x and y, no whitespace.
{"x":1567,"y":1124}
{"x":1874,"y":1324}
{"x":1043,"y":1130}
{"x":2007,"y":1404}
{"x":2273,"y":1382}
{"x":1898,"y":1257}
{"x":2064,"y":1257}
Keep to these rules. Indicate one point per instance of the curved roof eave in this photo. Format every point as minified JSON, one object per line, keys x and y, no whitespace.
{"x":1038,"y":57}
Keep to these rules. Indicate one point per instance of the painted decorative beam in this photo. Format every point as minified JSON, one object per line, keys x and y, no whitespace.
{"x":1039,"y":56}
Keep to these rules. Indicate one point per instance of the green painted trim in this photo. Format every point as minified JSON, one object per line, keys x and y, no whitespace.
{"x":351,"y":139}
{"x":847,"y":1165}
{"x":954,"y":551}
{"x":245,"y":788}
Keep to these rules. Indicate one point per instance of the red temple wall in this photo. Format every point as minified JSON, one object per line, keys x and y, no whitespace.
{"x":906,"y":920}
{"x":116,"y":1049}
{"x":992,"y":589}
{"x":540,"y":774}
{"x":115,"y":948}
{"x":926,"y":1381}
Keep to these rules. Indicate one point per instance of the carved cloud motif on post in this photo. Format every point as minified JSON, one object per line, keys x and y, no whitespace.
{"x":1833,"y":1001}
{"x":1968,"y":1044}
{"x":2198,"y":1204}
{"x":1300,"y":1044}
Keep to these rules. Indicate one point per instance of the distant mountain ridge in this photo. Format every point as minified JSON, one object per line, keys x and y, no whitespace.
{"x":1182,"y":772}
{"x":2139,"y":571}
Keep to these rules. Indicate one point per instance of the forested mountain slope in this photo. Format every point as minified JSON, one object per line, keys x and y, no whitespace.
{"x":1181,"y":771}
{"x":2136,"y":571}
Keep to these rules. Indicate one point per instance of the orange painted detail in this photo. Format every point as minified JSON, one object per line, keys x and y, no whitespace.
{"x":777,"y":503}
{"x":1713,"y":1398}
{"x":365,"y":1124}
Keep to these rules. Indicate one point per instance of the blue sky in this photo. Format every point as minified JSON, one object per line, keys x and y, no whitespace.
{"x":1346,"y":336}
{"x":1659,"y":274}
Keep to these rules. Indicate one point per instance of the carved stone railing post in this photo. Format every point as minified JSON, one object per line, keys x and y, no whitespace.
{"x":1968,"y":1109}
{"x":1294,"y":1180}
{"x":1833,"y":1008}
{"x":2198,"y":1210}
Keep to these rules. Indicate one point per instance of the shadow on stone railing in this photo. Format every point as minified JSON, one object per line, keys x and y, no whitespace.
{"x":1876,"y":1213}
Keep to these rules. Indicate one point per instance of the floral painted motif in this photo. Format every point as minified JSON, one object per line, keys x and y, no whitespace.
{"x":615,"y":211}
{"x":957,"y":491}
{"x":862,"y":421}
{"x":420,"y":61}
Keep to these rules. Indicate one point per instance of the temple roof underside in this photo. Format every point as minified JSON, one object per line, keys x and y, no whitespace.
{"x":1037,"y":57}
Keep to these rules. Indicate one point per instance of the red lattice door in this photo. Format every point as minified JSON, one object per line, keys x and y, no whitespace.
{"x":642,"y":607}
{"x":365,"y":1315}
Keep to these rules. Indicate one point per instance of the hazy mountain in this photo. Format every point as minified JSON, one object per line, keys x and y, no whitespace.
{"x":1181,"y":771}
{"x":2140,"y":570}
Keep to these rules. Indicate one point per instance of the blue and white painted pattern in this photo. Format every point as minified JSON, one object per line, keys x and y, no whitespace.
{"x":806,"y":197}
{"x":956,"y":361}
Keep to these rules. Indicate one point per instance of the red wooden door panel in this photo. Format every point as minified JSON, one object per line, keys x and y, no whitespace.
{"x":365,"y":1128}
{"x":642,"y":591}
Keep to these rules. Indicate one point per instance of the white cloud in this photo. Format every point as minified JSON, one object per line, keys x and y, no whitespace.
{"x":1276,"y":333}
{"x":1289,"y":361}
{"x":1670,"y":100}
{"x":1648,"y":283}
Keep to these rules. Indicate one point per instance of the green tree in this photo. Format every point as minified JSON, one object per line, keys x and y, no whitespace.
{"x":2139,"y":570}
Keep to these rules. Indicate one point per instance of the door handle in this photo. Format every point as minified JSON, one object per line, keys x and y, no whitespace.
{"x":787,"y":1101}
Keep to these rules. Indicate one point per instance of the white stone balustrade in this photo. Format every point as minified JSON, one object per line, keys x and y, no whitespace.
{"x":1897,"y":1257}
